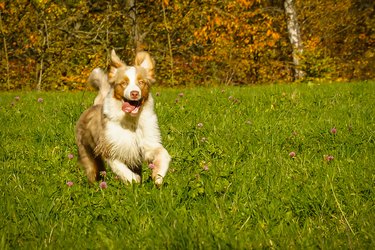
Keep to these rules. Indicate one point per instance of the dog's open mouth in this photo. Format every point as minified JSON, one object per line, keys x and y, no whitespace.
{"x":131,"y":107}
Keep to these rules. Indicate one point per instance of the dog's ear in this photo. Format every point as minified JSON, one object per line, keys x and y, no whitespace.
{"x":114,"y":65}
{"x":144,"y":60}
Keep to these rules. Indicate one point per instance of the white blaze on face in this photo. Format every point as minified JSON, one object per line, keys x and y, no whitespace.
{"x":132,"y":91}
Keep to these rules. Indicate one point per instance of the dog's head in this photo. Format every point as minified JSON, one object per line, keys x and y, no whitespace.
{"x":131,"y":84}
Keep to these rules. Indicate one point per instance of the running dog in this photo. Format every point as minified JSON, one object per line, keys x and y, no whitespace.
{"x":121,"y":127}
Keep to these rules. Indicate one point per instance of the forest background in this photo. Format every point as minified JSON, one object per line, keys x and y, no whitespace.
{"x":54,"y":45}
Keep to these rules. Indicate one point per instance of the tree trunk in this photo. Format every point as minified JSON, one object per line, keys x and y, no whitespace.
{"x":5,"y":52}
{"x":133,"y":17}
{"x":40,"y":76}
{"x":169,"y":43}
{"x":294,"y":37}
{"x":45,"y":46}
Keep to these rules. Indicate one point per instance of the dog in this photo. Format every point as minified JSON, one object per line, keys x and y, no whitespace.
{"x":121,"y":128}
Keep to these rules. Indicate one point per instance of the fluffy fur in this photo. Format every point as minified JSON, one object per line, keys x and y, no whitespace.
{"x":121,"y":127}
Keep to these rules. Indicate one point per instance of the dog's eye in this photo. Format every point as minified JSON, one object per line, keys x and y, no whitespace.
{"x":141,"y":82}
{"x":124,"y":83}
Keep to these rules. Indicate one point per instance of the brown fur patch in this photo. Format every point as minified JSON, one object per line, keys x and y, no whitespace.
{"x":119,"y":91}
{"x":88,"y":134}
{"x":145,"y":88}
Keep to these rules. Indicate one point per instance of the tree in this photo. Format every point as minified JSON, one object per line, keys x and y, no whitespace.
{"x":338,"y":38}
{"x":56,"y":44}
{"x":294,"y":37}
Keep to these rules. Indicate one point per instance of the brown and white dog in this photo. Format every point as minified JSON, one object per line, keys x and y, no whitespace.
{"x":121,"y":127}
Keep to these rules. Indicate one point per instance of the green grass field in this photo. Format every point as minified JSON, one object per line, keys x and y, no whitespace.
{"x":232,"y":184}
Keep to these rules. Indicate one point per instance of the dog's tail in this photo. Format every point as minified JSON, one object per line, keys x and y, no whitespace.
{"x":99,"y":80}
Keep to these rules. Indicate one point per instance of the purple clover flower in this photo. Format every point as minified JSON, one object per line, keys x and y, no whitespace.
{"x":151,"y":165}
{"x":70,"y":156}
{"x":69,"y":183}
{"x":103,"y":185}
{"x":292,"y":154}
{"x":333,"y":130}
{"x":40,"y":100}
{"x":329,"y":157}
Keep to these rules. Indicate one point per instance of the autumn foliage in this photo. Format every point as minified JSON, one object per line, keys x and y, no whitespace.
{"x":55,"y":44}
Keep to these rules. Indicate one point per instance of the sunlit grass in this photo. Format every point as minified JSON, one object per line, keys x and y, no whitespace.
{"x":285,"y":166}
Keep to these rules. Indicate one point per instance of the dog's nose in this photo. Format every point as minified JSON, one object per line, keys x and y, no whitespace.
{"x":134,"y":94}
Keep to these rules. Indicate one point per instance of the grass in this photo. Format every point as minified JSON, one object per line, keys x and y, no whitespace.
{"x":232,"y":183}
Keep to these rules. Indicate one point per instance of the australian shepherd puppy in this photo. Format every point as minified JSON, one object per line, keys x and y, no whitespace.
{"x":121,"y":127}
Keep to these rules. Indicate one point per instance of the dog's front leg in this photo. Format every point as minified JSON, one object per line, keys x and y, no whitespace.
{"x":124,"y":172}
{"x":160,"y":161}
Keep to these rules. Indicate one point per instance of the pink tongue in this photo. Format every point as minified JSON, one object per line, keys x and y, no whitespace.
{"x":127,"y":107}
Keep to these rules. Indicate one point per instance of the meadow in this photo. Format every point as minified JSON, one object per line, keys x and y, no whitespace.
{"x":274,"y":167}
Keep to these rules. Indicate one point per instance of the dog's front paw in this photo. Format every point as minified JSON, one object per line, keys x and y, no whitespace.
{"x":158,"y":180}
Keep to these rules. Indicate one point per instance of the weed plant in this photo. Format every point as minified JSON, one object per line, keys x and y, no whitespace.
{"x":279,"y":166}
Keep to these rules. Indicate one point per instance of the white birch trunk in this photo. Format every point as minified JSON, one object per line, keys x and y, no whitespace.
{"x":294,"y":37}
{"x":45,"y":46}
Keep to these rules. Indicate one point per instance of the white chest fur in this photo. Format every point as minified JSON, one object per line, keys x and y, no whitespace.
{"x":126,"y":145}
{"x":131,"y":139}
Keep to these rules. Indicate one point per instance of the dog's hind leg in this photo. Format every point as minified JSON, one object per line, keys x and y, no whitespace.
{"x":92,"y":165}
